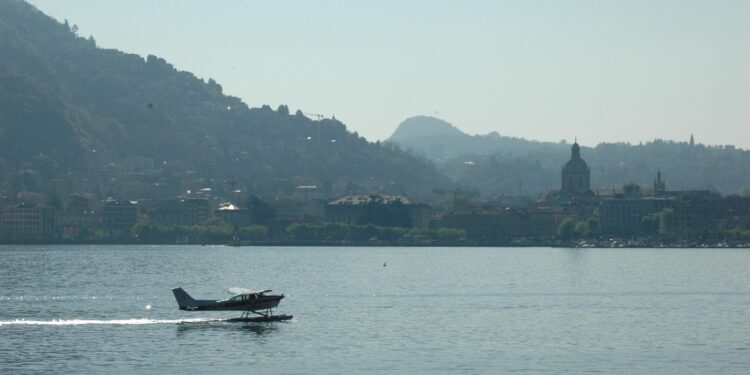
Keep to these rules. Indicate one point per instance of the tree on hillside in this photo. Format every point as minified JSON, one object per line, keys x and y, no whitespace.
{"x":566,"y":229}
{"x":665,"y":221}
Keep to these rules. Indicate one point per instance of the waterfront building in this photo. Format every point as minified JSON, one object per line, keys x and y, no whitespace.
{"x":487,"y":225}
{"x":623,"y":215}
{"x":189,"y":212}
{"x":511,"y":222}
{"x":298,"y":211}
{"x":698,"y":210}
{"x":27,"y":222}
{"x":543,"y":221}
{"x":161,"y":212}
{"x":118,"y":217}
{"x":194,"y":211}
{"x":383,"y":210}
{"x":237,"y":217}
{"x":78,"y":213}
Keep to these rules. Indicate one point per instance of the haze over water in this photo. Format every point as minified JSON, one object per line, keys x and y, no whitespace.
{"x":458,"y":310}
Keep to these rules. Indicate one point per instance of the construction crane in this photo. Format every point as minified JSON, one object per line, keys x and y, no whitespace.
{"x":316,"y":115}
{"x":317,"y":139}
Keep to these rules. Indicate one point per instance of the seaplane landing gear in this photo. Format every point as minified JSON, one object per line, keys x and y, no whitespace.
{"x":266,"y":316}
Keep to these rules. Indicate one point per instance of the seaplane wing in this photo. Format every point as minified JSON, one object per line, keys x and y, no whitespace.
{"x":237,"y":291}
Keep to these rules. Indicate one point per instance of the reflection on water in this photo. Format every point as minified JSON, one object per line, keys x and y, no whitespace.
{"x":260,"y":329}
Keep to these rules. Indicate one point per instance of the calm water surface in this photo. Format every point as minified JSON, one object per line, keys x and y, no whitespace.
{"x":430,"y":310}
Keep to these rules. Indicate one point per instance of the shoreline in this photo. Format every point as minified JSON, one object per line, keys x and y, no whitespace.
{"x":595,"y":244}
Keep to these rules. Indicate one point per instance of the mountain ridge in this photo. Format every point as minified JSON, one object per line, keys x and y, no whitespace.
{"x":500,"y":165}
{"x":69,"y":107}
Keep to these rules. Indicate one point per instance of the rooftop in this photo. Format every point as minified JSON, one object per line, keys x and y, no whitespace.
{"x":372,"y":198}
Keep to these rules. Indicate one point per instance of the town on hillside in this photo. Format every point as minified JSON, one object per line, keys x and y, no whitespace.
{"x":573,"y":215}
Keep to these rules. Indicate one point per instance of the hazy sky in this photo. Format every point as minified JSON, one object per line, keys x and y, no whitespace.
{"x":598,"y":70}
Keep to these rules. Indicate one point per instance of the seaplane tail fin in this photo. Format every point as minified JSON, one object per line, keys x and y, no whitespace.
{"x":183,"y":299}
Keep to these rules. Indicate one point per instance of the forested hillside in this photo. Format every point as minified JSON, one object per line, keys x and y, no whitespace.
{"x":69,"y":107}
{"x":96,"y":118}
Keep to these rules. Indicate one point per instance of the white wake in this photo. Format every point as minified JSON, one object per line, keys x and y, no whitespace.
{"x":77,"y":322}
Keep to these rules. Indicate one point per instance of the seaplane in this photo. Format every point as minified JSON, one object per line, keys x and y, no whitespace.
{"x":245,"y":300}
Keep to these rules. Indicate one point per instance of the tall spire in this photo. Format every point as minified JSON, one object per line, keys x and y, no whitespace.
{"x":692,"y":140}
{"x":659,"y":185}
{"x":575,"y":151}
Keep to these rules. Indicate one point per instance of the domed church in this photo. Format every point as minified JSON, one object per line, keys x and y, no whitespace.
{"x":576,"y":175}
{"x":576,"y":181}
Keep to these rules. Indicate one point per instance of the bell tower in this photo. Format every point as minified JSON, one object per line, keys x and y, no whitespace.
{"x":659,"y":185}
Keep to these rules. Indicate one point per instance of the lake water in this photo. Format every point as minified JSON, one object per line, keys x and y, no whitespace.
{"x":109,"y":309}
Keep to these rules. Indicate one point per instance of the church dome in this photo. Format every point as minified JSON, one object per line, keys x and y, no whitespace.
{"x":576,"y":165}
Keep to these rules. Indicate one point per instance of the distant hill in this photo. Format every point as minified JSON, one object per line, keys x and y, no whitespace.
{"x":500,"y":165}
{"x":420,"y":127}
{"x":440,"y":140}
{"x":69,"y":108}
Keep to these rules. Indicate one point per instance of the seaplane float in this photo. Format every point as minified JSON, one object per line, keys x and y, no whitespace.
{"x":249,"y":302}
